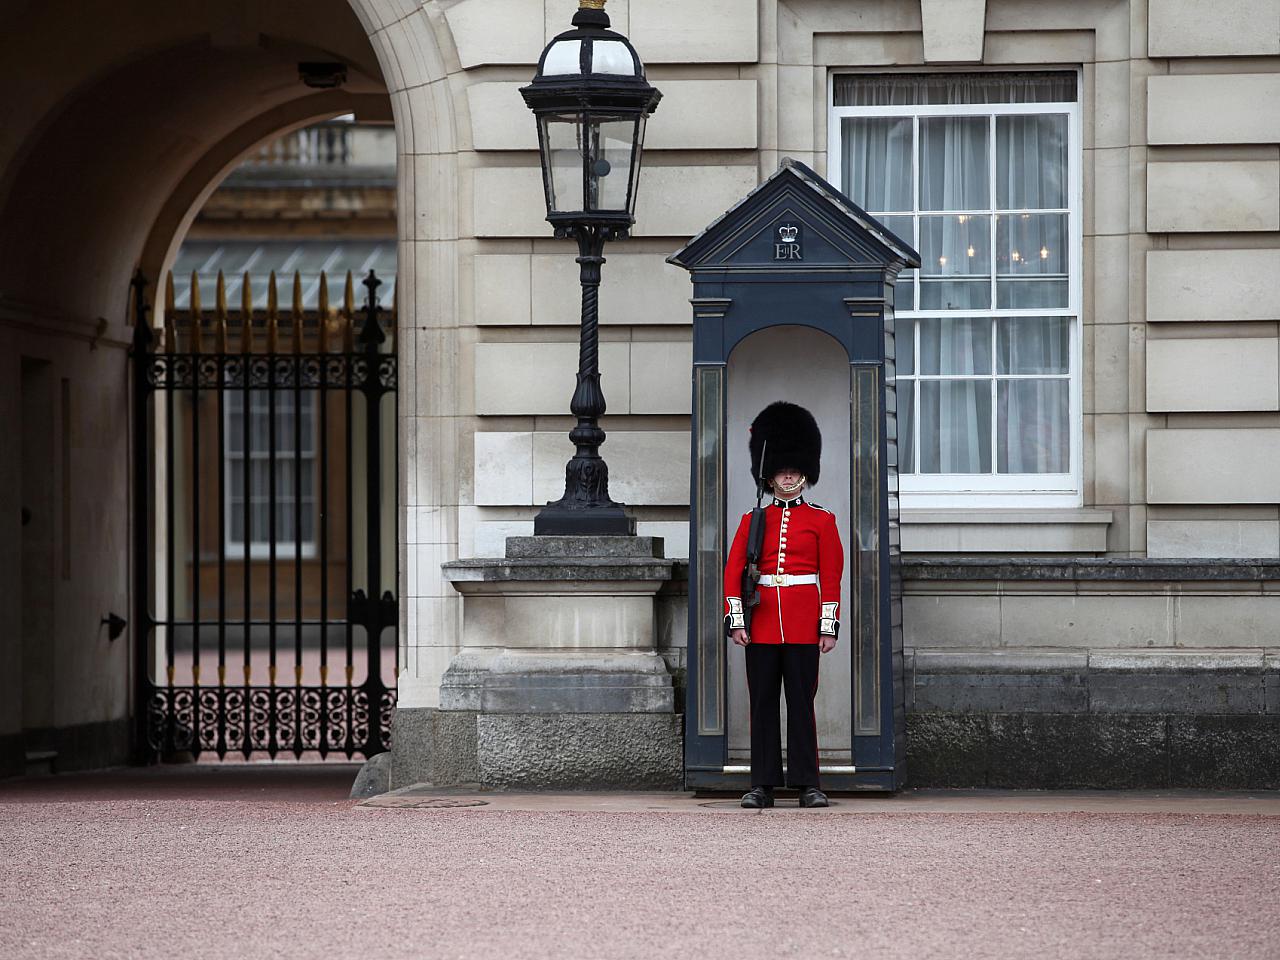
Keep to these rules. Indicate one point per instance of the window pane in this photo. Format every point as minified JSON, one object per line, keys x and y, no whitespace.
{"x":1033,"y":345}
{"x":906,"y":426}
{"x":877,"y":161}
{"x":258,"y":406}
{"x":904,"y":290}
{"x":1028,"y":294}
{"x":955,"y":252}
{"x":955,"y":426}
{"x":904,"y":344}
{"x":1031,"y":260}
{"x":1031,"y":162}
{"x":903,"y":226}
{"x":1031,"y":244}
{"x":955,"y":345}
{"x":954,"y":173}
{"x":309,"y":400}
{"x":1033,"y":431}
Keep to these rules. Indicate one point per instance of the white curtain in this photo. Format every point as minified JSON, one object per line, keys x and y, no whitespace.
{"x":955,"y":416}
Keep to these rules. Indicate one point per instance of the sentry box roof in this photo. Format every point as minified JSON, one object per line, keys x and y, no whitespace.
{"x":836,"y":234}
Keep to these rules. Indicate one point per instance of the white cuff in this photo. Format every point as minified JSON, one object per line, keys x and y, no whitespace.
{"x":735,"y":618}
{"x":829,"y":623}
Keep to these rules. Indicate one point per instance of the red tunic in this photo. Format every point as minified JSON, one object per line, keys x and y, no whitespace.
{"x":799,"y":538}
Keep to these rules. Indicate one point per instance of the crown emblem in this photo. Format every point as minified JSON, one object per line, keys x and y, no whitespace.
{"x":788,"y":233}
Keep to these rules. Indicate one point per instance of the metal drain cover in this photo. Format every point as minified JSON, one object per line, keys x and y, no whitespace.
{"x":422,"y":803}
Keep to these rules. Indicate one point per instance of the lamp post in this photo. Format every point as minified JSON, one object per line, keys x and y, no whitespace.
{"x":591,"y":100}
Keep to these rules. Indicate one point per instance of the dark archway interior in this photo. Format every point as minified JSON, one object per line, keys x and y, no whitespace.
{"x":119,"y":118}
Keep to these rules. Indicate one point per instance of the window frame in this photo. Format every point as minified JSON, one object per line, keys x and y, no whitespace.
{"x":941,"y":490}
{"x":233,"y":462}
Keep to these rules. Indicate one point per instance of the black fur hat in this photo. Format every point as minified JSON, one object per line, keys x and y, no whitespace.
{"x":788,"y":436}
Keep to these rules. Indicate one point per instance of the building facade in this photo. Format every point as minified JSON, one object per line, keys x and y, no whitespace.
{"x":1089,"y":504}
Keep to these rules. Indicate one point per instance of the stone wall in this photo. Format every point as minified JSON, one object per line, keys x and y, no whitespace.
{"x":1103,"y":673}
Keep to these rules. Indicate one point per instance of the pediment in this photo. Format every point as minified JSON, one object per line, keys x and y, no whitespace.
{"x":795,"y":221}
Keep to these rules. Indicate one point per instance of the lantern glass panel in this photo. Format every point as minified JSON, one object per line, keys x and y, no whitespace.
{"x":562,"y":161}
{"x":612,"y":57}
{"x":609,"y":168}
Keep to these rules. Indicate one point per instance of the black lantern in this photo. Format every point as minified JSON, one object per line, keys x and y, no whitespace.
{"x":591,"y":101}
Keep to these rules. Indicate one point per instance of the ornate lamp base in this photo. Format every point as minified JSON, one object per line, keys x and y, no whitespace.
{"x":586,"y":509}
{"x":558,"y":520}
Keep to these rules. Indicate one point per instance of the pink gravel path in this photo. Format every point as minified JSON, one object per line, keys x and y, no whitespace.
{"x":141,"y":871}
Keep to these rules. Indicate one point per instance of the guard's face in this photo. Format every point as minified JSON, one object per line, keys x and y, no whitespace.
{"x":788,"y":482}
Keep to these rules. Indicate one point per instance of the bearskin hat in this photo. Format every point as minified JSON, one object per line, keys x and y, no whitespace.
{"x":787,"y":436}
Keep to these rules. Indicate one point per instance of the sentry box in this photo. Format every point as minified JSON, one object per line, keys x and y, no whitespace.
{"x":793,"y":300}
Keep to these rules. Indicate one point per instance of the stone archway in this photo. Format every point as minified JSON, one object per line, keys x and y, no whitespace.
{"x":124,"y":116}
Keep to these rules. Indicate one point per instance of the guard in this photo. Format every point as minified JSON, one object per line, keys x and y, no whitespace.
{"x":782,"y":600}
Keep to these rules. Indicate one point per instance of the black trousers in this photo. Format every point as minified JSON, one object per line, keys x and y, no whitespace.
{"x":772,"y":667}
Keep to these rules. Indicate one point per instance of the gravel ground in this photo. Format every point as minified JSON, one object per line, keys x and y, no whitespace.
{"x":279,"y":865}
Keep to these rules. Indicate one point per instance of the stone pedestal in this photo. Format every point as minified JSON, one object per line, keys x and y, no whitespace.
{"x":559,"y":683}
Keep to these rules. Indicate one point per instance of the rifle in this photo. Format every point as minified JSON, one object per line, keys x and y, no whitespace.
{"x":755,"y":546}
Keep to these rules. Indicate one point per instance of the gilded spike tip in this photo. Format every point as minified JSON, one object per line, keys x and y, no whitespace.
{"x":246,"y":314}
{"x":220,"y":313}
{"x":348,"y":314}
{"x":273,"y":314}
{"x":323,"y":312}
{"x":297,"y":312}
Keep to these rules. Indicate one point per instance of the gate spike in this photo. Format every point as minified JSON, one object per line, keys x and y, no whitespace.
{"x":297,"y":673}
{"x":196,"y":313}
{"x":324,"y":674}
{"x":297,"y":312}
{"x":323,"y":311}
{"x":273,"y":316}
{"x":222,"y":675}
{"x":170,"y":330}
{"x":348,"y":315}
{"x":271,"y":674}
{"x":246,"y":314}
{"x":220,"y":314}
{"x":248,"y":672}
{"x":195,"y":674}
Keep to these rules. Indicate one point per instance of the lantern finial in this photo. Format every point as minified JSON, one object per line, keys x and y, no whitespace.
{"x":591,"y":14}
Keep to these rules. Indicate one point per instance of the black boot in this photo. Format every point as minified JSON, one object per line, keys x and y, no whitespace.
{"x":813,"y":797}
{"x":758,"y":797}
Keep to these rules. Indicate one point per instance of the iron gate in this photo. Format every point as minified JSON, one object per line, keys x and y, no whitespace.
{"x":264,"y":525}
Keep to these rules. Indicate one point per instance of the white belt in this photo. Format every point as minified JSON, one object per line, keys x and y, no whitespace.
{"x":787,"y":579}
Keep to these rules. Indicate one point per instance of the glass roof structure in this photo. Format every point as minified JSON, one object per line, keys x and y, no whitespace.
{"x":309,"y":258}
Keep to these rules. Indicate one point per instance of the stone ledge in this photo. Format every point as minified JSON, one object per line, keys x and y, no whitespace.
{"x":544,"y":547}
{"x":1167,"y":682}
{"x":1087,"y":568}
{"x":534,"y":570}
